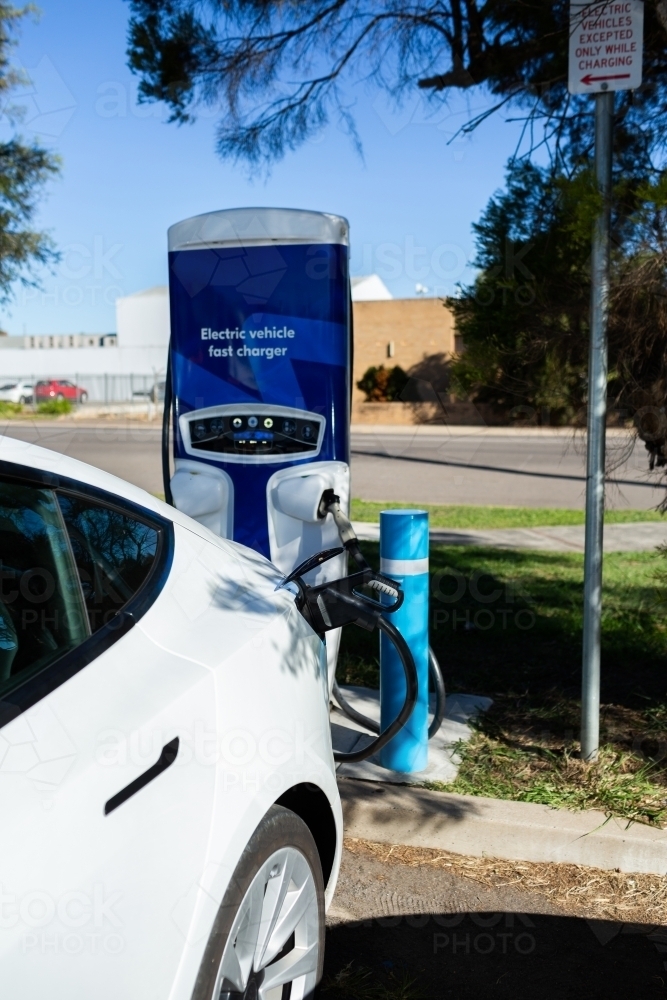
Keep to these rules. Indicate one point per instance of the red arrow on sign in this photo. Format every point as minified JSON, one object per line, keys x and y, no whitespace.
{"x":588,"y":79}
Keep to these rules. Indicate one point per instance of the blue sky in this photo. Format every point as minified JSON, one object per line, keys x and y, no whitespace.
{"x":127,"y":176}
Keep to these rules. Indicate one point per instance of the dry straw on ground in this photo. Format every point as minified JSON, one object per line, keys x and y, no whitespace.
{"x":581,"y":891}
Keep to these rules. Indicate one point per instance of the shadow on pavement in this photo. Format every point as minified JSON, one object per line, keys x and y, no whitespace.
{"x":428,"y":460}
{"x":483,"y":954}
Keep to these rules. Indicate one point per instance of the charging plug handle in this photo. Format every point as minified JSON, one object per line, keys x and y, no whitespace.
{"x":330,"y":504}
{"x":338,"y":603}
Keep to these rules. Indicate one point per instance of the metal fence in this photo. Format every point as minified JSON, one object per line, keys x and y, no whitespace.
{"x":101,"y":389}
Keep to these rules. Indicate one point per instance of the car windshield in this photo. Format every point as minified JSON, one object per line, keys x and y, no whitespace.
{"x":9,"y":385}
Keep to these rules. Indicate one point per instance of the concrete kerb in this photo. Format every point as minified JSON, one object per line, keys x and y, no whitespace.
{"x":515,"y":831}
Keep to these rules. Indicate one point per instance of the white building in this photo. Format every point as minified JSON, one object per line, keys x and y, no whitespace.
{"x":103,"y":363}
{"x":139,"y":346}
{"x":369,"y":288}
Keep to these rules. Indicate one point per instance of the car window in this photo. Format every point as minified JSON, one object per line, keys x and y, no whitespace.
{"x":68,"y":565}
{"x":113,"y":551}
{"x":42,"y":609}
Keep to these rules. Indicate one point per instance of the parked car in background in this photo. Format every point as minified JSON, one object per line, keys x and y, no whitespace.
{"x":59,"y":389}
{"x":155,"y":393}
{"x":16,"y":391}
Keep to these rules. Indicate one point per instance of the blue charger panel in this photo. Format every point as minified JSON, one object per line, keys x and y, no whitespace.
{"x":266,"y":325}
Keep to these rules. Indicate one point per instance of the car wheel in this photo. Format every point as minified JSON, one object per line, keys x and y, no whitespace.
{"x":83,"y":398}
{"x":23,"y":400}
{"x":60,"y":397}
{"x":267,"y":940}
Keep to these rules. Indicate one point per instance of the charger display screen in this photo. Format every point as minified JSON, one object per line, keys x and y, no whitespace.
{"x":254,"y":434}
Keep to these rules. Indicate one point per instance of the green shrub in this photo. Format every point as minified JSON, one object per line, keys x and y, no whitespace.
{"x":54,"y":407}
{"x":10,"y":409}
{"x":383,"y":385}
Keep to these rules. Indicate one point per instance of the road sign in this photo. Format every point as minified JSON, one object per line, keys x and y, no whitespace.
{"x":606,"y":45}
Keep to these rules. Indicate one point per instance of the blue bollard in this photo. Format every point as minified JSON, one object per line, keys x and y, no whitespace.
{"x":404,"y":557}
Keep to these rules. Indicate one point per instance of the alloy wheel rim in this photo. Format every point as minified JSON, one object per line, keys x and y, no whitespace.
{"x":272,"y":951}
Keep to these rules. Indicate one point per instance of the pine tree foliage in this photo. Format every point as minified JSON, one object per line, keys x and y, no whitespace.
{"x":24,"y":169}
{"x":279,"y":70}
{"x":524,"y":321}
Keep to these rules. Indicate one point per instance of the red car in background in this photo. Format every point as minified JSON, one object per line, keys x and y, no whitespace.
{"x":59,"y":389}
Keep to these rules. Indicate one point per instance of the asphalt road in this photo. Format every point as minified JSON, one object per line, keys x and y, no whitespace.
{"x":399,"y":932}
{"x":481,"y":468}
{"x":449,"y":468}
{"x":131,"y":451}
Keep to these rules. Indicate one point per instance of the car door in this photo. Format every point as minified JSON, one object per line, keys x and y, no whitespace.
{"x":106,"y":804}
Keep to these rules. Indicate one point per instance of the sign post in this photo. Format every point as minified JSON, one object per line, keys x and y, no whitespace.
{"x":605,"y":55}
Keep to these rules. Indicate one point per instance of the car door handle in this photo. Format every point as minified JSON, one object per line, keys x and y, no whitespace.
{"x":166,"y":759}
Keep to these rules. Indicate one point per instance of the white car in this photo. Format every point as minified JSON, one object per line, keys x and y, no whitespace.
{"x":16,"y":391}
{"x":171,"y":827}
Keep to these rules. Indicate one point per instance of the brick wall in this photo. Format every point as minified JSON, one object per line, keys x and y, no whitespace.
{"x":417,"y":329}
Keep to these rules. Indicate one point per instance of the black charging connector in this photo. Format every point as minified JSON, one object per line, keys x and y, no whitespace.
{"x":341,"y":602}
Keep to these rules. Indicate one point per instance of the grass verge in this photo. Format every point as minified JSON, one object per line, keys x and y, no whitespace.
{"x":507,"y":623}
{"x":54,"y":407}
{"x":465,"y":516}
{"x":10,"y":409}
{"x":49,"y":408}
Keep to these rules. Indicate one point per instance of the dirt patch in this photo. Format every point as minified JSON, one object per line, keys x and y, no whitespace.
{"x":575,"y":889}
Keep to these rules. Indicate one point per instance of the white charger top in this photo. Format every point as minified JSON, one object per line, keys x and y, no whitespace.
{"x":244,"y":227}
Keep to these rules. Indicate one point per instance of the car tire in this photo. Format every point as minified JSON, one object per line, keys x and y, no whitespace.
{"x":259,"y":963}
{"x":23,"y":400}
{"x":83,"y":398}
{"x":60,"y":397}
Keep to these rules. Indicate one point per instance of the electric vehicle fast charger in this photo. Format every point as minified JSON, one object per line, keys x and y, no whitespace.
{"x":259,"y":373}
{"x":258,"y":389}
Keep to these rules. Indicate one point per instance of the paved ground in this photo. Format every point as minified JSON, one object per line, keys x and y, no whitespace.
{"x":443,"y":763}
{"x":463,"y":465}
{"x":565,"y":538}
{"x":534,"y":470}
{"x":131,"y":451}
{"x":455,"y":938}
